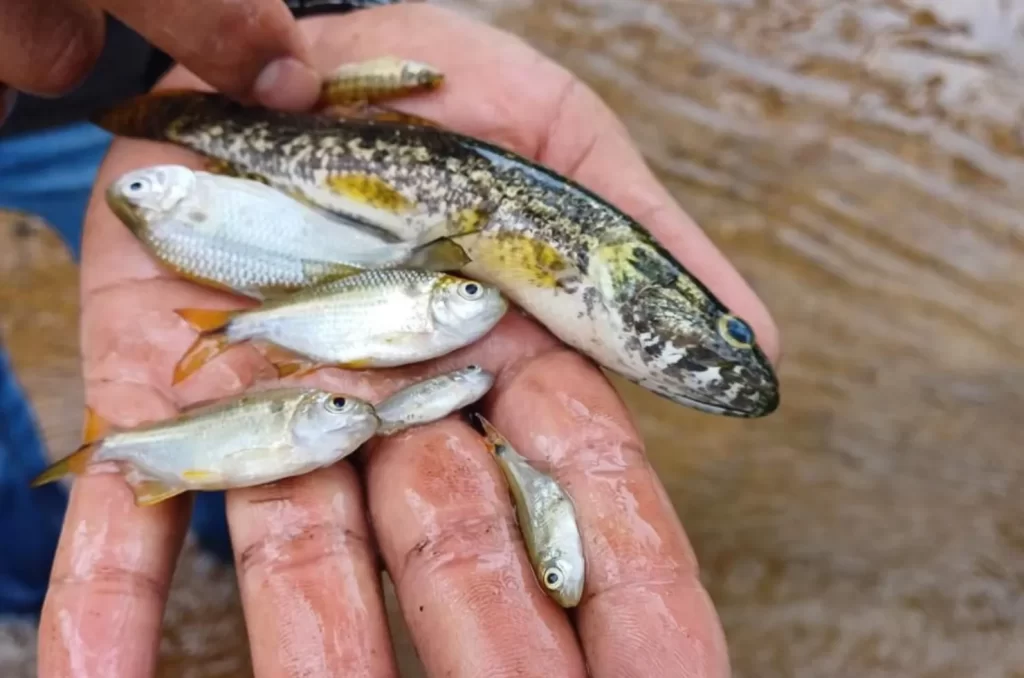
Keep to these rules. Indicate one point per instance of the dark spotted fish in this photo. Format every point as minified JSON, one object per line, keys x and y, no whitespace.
{"x":583,"y":268}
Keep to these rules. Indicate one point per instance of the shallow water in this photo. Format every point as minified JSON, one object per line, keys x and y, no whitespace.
{"x":862,"y":163}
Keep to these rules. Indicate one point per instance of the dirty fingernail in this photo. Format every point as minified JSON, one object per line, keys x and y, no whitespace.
{"x":287,"y":84}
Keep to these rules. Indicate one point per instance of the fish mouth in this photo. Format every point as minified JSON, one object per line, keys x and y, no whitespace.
{"x":712,"y":407}
{"x":750,"y":402}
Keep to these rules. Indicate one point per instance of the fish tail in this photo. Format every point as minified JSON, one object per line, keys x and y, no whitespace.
{"x":441,"y":255}
{"x":94,"y":426}
{"x":147,"y":116}
{"x":205,"y":320}
{"x":74,"y":463}
{"x":205,"y":348}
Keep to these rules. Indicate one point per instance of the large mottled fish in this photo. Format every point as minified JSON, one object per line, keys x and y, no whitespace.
{"x":241,"y":441}
{"x":546,"y":518}
{"x":587,"y":271}
{"x":432,"y":399}
{"x":383,"y":318}
{"x":244,"y":236}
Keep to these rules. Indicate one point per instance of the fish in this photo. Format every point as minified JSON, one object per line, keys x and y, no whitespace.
{"x":245,"y":237}
{"x":377,"y":318}
{"x":432,"y":399}
{"x":377,"y":79}
{"x":240,"y":441}
{"x":581,"y":267}
{"x":547,"y":520}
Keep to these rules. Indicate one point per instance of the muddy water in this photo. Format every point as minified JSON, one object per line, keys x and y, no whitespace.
{"x":862,"y":162}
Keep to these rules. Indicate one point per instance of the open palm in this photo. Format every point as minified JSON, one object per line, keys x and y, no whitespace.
{"x":430,"y":501}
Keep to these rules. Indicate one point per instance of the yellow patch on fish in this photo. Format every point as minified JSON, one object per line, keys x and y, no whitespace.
{"x":520,"y":258}
{"x":199,"y":475}
{"x":371,"y":191}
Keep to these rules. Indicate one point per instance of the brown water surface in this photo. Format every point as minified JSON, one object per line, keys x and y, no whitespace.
{"x":862,"y":163}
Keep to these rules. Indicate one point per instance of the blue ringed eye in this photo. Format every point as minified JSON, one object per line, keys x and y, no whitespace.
{"x":737,"y":331}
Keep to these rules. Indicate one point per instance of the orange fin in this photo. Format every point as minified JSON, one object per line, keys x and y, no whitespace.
{"x":94,"y":427}
{"x":150,"y":492}
{"x":295,"y":368}
{"x":204,"y":349}
{"x":74,"y":463}
{"x":205,"y":320}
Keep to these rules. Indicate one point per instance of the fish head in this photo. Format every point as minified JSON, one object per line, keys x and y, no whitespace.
{"x":466,"y":306}
{"x":332,"y":421}
{"x":142,"y":196}
{"x":560,"y":572}
{"x":684,"y":343}
{"x":473,"y":375}
{"x":421,"y":74}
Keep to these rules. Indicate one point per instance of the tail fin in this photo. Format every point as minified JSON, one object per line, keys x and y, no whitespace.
{"x":204,"y":349}
{"x":74,"y":463}
{"x":152,"y":115}
{"x":439,"y":255}
{"x":205,"y":320}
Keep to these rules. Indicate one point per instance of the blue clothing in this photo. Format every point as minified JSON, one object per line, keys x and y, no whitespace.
{"x":50,"y":173}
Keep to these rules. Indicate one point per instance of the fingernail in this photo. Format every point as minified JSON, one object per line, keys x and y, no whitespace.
{"x":287,"y":84}
{"x":7,"y":97}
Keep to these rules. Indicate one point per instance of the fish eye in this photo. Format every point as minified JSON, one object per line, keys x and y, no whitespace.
{"x":471,"y":290}
{"x":337,"y":403}
{"x":136,"y":186}
{"x":473,"y":368}
{"x":553,"y":578}
{"x":736,"y":332}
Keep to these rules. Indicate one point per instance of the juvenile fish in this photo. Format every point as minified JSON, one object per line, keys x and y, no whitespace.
{"x":432,"y":399}
{"x":241,"y":441}
{"x":547,"y":520}
{"x":376,"y":79}
{"x":382,"y":318}
{"x":586,"y":270}
{"x":244,"y":236}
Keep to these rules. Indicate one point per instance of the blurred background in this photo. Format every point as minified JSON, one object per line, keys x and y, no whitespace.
{"x":862,"y":163}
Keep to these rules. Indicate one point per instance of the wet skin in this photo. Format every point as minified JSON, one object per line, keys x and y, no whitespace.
{"x":430,"y":504}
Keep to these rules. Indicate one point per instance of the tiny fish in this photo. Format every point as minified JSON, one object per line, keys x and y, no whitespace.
{"x":433,"y":399}
{"x":586,"y":270}
{"x":547,"y":520}
{"x":240,"y":441}
{"x":244,"y":236}
{"x":377,"y":79}
{"x":382,"y":318}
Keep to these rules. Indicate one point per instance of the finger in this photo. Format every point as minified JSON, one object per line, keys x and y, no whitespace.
{"x":644,"y":612}
{"x":446,"y":530}
{"x":250,"y":49}
{"x":46,"y":48}
{"x":113,"y":564}
{"x":309,"y":577}
{"x":510,"y":95}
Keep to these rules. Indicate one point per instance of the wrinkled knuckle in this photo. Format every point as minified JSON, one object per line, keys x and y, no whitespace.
{"x":112,"y":581}
{"x":75,"y":50}
{"x":457,"y":545}
{"x":300,"y":548}
{"x":658,"y":577}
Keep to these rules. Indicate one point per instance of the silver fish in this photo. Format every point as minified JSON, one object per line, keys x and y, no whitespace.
{"x":432,"y":399}
{"x":383,"y":318}
{"x":241,"y":441}
{"x":547,"y":520}
{"x":244,"y":236}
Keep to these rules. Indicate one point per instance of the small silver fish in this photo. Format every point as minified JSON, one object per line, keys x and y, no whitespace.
{"x":241,"y":441}
{"x":432,"y":399}
{"x":383,"y":318}
{"x":547,"y":520}
{"x":244,"y":236}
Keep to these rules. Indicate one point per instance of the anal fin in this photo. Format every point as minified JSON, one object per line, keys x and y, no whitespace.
{"x":150,"y":492}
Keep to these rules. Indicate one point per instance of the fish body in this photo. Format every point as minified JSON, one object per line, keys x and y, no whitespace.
{"x":547,"y":520}
{"x":377,"y":79}
{"x":432,"y":399}
{"x":584,"y":269}
{"x":382,"y":318}
{"x":252,"y":239}
{"x":237,"y":442}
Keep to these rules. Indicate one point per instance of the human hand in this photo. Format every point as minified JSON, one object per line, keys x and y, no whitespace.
{"x":250,"y":50}
{"x":430,"y":501}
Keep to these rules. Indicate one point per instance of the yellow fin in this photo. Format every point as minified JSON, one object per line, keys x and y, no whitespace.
{"x":204,"y":349}
{"x":205,"y":320}
{"x":356,"y":364}
{"x":287,"y":363}
{"x":524,"y":259}
{"x":74,"y":463}
{"x":94,"y":426}
{"x":199,"y":475}
{"x":370,"y":190}
{"x":150,"y":492}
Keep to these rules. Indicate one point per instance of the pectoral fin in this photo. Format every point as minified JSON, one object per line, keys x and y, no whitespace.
{"x":150,"y":492}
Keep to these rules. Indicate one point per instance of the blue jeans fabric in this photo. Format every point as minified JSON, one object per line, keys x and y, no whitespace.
{"x":50,"y":174}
